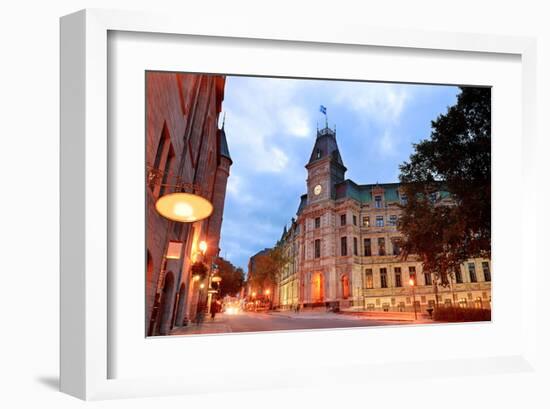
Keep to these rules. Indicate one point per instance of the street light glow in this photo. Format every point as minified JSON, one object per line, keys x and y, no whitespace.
{"x":203,"y":246}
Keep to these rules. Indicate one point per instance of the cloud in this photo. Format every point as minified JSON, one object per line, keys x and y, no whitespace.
{"x":387,"y":143}
{"x":296,"y":121}
{"x":382,"y":103}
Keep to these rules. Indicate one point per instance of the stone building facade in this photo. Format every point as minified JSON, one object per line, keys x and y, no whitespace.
{"x":342,"y":249}
{"x":184,"y":145}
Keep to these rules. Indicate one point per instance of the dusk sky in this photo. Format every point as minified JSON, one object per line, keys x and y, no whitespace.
{"x":271,"y":128}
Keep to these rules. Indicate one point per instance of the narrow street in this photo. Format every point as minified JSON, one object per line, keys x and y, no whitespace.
{"x":275,"y":321}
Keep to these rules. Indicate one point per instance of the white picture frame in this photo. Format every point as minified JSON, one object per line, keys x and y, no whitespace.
{"x":85,"y":302}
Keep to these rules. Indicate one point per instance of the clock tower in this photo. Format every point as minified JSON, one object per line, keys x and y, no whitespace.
{"x":325,"y":167}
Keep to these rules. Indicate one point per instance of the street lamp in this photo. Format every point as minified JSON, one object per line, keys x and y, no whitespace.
{"x":412,"y":284}
{"x":184,"y":207}
{"x":202,"y":247}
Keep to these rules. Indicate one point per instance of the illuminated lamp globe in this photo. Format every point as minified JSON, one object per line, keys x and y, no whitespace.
{"x":184,"y":207}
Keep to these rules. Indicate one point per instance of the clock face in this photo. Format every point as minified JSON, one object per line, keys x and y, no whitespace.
{"x":317,"y":190}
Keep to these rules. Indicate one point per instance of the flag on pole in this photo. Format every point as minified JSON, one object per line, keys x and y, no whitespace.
{"x":323,"y":109}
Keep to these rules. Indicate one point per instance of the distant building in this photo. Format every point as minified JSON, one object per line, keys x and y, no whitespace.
{"x":252,"y":261}
{"x":342,"y":248}
{"x":183,"y":145}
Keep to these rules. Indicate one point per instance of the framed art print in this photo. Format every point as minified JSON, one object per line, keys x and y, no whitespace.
{"x":324,"y":201}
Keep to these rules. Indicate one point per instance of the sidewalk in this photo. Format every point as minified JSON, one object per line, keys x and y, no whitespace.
{"x":209,"y":326}
{"x":311,"y":315}
{"x":388,"y":316}
{"x":355,"y":315}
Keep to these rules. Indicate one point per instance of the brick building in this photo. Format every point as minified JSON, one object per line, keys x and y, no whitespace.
{"x":184,"y":147}
{"x":343,"y":252}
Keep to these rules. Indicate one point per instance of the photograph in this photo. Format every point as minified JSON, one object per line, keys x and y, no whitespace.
{"x":285,"y":204}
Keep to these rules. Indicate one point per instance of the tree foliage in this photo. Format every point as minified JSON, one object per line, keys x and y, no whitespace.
{"x":198,"y":268}
{"x":266,"y":268}
{"x":445,"y":231}
{"x":232,"y":278}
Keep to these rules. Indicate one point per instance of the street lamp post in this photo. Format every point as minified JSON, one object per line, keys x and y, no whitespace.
{"x":267,"y":292}
{"x":413,"y":284}
{"x":202,"y":252}
{"x":254,"y":299}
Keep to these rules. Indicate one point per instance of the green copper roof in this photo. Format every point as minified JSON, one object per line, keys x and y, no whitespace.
{"x":363,"y":193}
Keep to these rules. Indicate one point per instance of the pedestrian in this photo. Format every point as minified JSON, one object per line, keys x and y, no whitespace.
{"x":214,"y":308}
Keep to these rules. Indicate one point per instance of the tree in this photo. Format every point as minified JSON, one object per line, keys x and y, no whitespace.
{"x":232,"y":278}
{"x":447,"y":181}
{"x":267,"y":267}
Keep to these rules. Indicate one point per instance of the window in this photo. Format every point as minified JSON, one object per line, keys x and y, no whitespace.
{"x":383,"y":278}
{"x":177,"y":230}
{"x":378,"y":202}
{"x":354,"y":220}
{"x":486,"y":271}
{"x":343,"y":246}
{"x":367,"y":245}
{"x":355,"y":247}
{"x":412,"y":273}
{"x":395,"y":246}
{"x":162,"y":162}
{"x":381,"y":246}
{"x":368,"y":278}
{"x":392,"y":220}
{"x":404,"y":200}
{"x":318,"y":153}
{"x":379,"y":221}
{"x":458,"y":276}
{"x":433,"y":197}
{"x":317,"y":222}
{"x":472,"y":271}
{"x":167,"y":166}
{"x":427,"y":278}
{"x":366,"y":221}
{"x":342,"y":220}
{"x":397,"y":271}
{"x":317,"y":248}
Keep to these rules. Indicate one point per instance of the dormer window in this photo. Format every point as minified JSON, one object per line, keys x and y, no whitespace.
{"x":378,"y":202}
{"x":318,"y":153}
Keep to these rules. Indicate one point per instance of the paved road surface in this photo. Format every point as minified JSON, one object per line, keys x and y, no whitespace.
{"x":253,"y":322}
